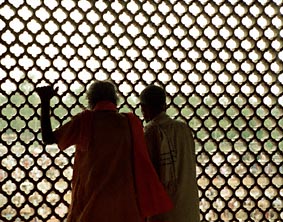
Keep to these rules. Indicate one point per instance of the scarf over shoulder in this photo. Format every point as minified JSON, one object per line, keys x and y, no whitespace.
{"x":151,"y":195}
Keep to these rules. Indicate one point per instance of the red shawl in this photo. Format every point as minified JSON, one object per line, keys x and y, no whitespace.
{"x":151,"y":195}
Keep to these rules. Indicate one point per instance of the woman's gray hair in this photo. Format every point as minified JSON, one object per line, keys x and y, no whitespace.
{"x":101,"y":91}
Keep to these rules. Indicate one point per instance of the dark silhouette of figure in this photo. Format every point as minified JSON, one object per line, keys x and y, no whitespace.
{"x":113,"y":179}
{"x":172,"y":151}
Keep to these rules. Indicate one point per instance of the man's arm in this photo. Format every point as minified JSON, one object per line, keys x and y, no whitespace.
{"x":46,"y":93}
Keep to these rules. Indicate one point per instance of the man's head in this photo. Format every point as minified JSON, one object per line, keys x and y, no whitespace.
{"x":101,"y":91}
{"x":153,"y":101}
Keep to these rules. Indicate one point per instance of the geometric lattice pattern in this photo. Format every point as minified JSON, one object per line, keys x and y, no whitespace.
{"x":221,"y":64}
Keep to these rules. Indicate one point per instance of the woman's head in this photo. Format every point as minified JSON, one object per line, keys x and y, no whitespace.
{"x":101,"y":91}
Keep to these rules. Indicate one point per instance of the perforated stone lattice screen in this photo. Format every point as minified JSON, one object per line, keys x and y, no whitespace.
{"x":221,"y":64}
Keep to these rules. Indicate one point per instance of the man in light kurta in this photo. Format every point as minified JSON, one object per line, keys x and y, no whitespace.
{"x":172,"y":151}
{"x":113,"y":179}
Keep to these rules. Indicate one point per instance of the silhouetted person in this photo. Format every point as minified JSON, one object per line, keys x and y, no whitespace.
{"x":113,"y":179}
{"x":172,"y":151}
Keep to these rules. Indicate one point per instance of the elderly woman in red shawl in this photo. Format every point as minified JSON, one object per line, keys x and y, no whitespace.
{"x":113,"y":178}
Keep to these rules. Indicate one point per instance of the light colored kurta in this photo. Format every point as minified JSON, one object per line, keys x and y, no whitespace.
{"x":172,"y":150}
{"x":103,"y":185}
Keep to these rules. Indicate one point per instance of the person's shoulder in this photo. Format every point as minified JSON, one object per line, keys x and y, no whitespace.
{"x":181,"y":124}
{"x":84,"y":114}
{"x":151,"y":128}
{"x":176,"y":121}
{"x":129,"y":115}
{"x":132,"y":117}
